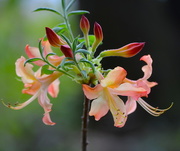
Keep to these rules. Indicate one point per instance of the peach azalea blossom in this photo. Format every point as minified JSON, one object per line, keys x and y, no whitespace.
{"x":38,"y":86}
{"x":144,"y":83}
{"x":106,"y":98}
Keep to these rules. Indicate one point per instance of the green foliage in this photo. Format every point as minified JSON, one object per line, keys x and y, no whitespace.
{"x":78,"y":12}
{"x":48,"y":9}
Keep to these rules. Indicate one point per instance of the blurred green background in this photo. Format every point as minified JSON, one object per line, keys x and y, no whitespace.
{"x":157,"y":22}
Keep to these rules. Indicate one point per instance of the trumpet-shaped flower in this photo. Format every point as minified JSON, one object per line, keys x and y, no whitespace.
{"x":106,"y":98}
{"x":126,"y":51}
{"x":106,"y":93}
{"x":144,"y":83}
{"x":37,"y":85}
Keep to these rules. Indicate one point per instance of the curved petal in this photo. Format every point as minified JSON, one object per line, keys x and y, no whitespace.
{"x":147,"y":69}
{"x":118,"y":110}
{"x":53,"y":88}
{"x":46,"y":47}
{"x":131,"y":105}
{"x":114,"y":78}
{"x":31,"y":88}
{"x":44,"y":100}
{"x":55,"y":60}
{"x":46,"y":80}
{"x":127,"y":89}
{"x":25,"y":72}
{"x":33,"y":52}
{"x":92,"y":93}
{"x":47,"y":120}
{"x":99,"y":108}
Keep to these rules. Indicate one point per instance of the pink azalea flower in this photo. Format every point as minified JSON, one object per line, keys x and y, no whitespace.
{"x":106,"y":98}
{"x":144,"y":83}
{"x":36,"y":84}
{"x":106,"y":93}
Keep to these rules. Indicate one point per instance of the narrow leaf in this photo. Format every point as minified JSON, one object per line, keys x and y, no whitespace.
{"x":66,"y":39}
{"x":80,"y":45}
{"x":78,"y":12}
{"x":50,"y":54}
{"x":45,"y":70}
{"x":32,"y":60}
{"x":41,"y":49}
{"x":84,"y":51}
{"x":90,"y":63}
{"x":70,"y":4}
{"x":48,"y":9}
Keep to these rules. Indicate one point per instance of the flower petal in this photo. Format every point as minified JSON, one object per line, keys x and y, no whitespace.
{"x":33,"y":52}
{"x":53,"y":88}
{"x":99,"y":108}
{"x":47,"y":120}
{"x":147,"y":69}
{"x":25,"y":72}
{"x":127,"y":89}
{"x":126,"y":51}
{"x":118,"y":110}
{"x":92,"y":93}
{"x":130,"y":105}
{"x":114,"y":78}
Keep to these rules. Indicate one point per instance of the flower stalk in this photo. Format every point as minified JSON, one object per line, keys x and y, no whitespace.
{"x":85,"y":121}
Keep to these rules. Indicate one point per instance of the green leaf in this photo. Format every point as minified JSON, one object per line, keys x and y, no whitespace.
{"x":66,"y":39}
{"x":90,"y":63}
{"x":59,"y":30}
{"x":84,"y":51}
{"x":48,"y":9}
{"x":50,"y":54}
{"x":32,"y":60}
{"x":74,"y":44}
{"x":45,"y":70}
{"x":78,"y":12}
{"x":70,"y":4}
{"x":41,"y":49}
{"x":80,"y":45}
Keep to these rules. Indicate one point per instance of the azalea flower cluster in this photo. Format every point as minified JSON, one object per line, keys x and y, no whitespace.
{"x":78,"y":62}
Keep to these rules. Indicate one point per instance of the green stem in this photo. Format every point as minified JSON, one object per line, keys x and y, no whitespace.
{"x":59,"y":69}
{"x":68,"y":24}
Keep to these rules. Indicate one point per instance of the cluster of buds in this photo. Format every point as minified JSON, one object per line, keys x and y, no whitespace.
{"x":79,"y":63}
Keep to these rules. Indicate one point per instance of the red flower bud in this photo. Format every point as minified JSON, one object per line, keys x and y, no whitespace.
{"x":54,"y":39}
{"x":66,"y":51}
{"x":126,"y":51}
{"x":98,"y":35}
{"x":84,"y":25}
{"x":98,"y":32}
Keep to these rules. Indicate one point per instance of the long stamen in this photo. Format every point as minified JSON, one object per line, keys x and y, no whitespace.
{"x":22,"y":105}
{"x":152,"y":110}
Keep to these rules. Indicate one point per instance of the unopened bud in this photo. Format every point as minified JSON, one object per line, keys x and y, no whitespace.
{"x":66,"y":51}
{"x":126,"y":51}
{"x":84,"y":25}
{"x":54,"y":39}
{"x":98,"y":36}
{"x":98,"y":32}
